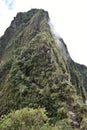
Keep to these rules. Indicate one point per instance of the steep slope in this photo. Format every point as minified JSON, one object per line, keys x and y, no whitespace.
{"x":37,"y":71}
{"x":83,"y":71}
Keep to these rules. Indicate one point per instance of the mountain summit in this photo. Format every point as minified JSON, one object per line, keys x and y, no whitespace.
{"x":37,"y":72}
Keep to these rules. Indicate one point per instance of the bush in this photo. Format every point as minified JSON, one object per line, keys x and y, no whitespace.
{"x":24,"y":119}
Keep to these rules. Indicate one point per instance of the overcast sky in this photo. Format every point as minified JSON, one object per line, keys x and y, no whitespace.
{"x":69,"y":18}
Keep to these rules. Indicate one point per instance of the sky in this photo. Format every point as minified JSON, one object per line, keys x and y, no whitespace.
{"x":69,"y":18}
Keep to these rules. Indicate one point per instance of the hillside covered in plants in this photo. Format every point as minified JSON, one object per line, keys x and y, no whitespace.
{"x":41,"y":87}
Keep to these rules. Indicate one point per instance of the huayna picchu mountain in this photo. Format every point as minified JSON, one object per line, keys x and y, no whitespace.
{"x":41,"y":87}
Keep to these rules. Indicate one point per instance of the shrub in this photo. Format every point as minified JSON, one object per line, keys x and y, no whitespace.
{"x":24,"y":119}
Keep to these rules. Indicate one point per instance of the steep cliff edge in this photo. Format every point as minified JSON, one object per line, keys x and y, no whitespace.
{"x":36,"y":71}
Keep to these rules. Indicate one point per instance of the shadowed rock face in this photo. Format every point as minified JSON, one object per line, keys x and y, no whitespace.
{"x":36,"y":69}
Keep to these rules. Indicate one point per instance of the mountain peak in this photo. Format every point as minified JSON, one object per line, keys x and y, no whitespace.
{"x":36,"y":71}
{"x":34,"y":20}
{"x":24,"y":17}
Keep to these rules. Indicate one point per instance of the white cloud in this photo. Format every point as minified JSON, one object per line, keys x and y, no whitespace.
{"x":9,"y":3}
{"x":68,"y":16}
{"x":3,"y":16}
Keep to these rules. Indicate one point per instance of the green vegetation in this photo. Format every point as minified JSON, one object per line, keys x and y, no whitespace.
{"x":39,"y":90}
{"x":26,"y":119}
{"x":30,"y":119}
{"x":83,"y":71}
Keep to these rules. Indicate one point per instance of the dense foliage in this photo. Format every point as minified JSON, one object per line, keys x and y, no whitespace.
{"x":35,"y":74}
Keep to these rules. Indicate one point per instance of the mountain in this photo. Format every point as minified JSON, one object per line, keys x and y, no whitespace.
{"x":38,"y":78}
{"x":83,"y":71}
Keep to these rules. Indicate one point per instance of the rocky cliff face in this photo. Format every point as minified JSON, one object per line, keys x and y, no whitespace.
{"x":36,"y":70}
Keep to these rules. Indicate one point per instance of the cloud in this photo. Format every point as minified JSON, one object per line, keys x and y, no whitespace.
{"x":6,"y":15}
{"x":9,"y":3}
